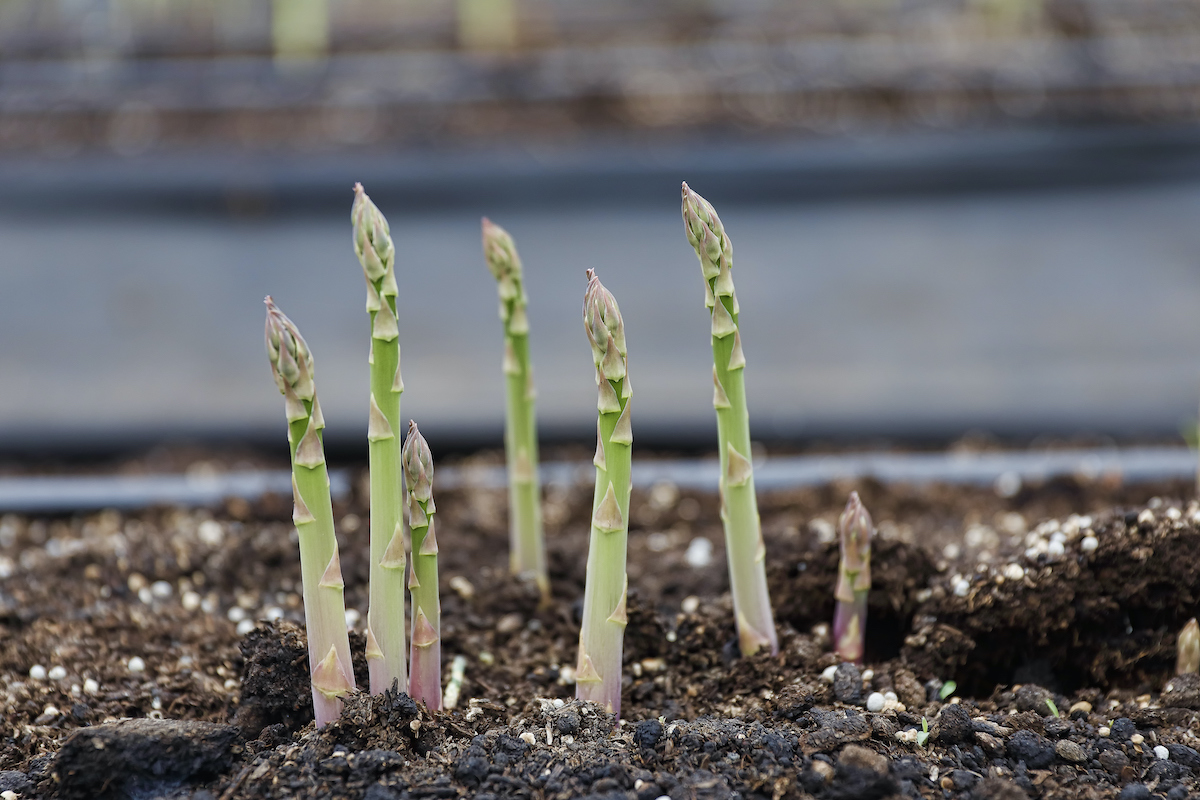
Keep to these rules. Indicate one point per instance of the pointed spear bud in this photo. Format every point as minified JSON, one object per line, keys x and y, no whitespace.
{"x":723,"y":286}
{"x":418,"y":464}
{"x":423,"y":633}
{"x":372,"y":238}
{"x":585,"y":670}
{"x":626,"y":389}
{"x":393,"y":556}
{"x":720,"y":399}
{"x":855,"y":529}
{"x":710,"y":299}
{"x":429,"y":543}
{"x":619,"y":615}
{"x":385,"y":328}
{"x":291,"y":360}
{"x":300,"y":513}
{"x":607,"y":516}
{"x":318,"y":419}
{"x":373,"y":649}
{"x":329,"y":678}
{"x":378,"y":428}
{"x":417,"y":518}
{"x":606,"y":400}
{"x":332,"y":577}
{"x":413,"y":583}
{"x":309,"y":452}
{"x":739,"y":469}
{"x":293,"y":406}
{"x":499,"y":251}
{"x":372,"y":298}
{"x":722,"y":322}
{"x":1188,"y":647}
{"x":387,"y":286}
{"x":705,"y":233}
{"x":737,"y":359}
{"x":603,"y":323}
{"x":623,"y":430}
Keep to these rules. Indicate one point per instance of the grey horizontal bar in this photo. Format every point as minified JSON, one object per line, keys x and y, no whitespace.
{"x":1141,"y":464}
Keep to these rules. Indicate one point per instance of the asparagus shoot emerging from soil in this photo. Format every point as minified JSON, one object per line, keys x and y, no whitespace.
{"x":1188,"y":647}
{"x":854,"y":580}
{"x":739,"y":506}
{"x":324,"y":607}
{"x":598,"y":670}
{"x":527,"y":552}
{"x":425,"y":678}
{"x":385,"y":612}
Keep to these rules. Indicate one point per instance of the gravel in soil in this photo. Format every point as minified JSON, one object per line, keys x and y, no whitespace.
{"x":158,"y":655}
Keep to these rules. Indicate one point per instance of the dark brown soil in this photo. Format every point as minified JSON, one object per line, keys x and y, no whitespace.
{"x":956,"y":597}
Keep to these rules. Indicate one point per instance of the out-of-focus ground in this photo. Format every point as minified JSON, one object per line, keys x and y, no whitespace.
{"x":945,"y":215}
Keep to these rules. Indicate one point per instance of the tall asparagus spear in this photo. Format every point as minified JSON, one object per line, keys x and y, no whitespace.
{"x":739,"y":506}
{"x":324,"y":607}
{"x":598,"y":671}
{"x":527,"y":551}
{"x":385,"y":614}
{"x":854,"y":580}
{"x":425,"y":679}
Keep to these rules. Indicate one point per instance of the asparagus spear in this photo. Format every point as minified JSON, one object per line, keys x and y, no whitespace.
{"x":598,"y":671}
{"x":425,"y":679}
{"x":324,"y":607}
{"x":739,"y":506}
{"x":854,"y":580}
{"x":527,"y":551}
{"x":1188,"y":647}
{"x":385,"y":612}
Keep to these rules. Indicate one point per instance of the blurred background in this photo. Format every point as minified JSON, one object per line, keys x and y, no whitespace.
{"x":948,"y":215}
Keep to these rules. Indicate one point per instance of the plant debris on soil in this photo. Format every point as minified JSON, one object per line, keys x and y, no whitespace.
{"x":161,"y":654}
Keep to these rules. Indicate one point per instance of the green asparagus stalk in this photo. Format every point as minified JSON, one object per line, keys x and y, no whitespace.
{"x":854,"y":580}
{"x":527,"y":550}
{"x":739,"y":507}
{"x":1188,"y":647}
{"x":324,"y":607}
{"x":598,"y":670}
{"x":385,"y":612}
{"x":425,"y":678}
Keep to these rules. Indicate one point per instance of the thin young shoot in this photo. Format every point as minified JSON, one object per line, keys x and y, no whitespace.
{"x":425,"y":663}
{"x":855,"y":530}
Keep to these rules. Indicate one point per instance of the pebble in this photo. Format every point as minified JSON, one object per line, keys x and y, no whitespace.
{"x":1070,"y":751}
{"x":136,"y":664}
{"x":1089,"y":544}
{"x":875,"y":702}
{"x":1162,"y":752}
{"x":1137,"y":738}
{"x":245,"y":626}
{"x":1134,"y":791}
{"x":1082,"y":705}
{"x":1104,"y":732}
{"x":699,"y":553}
{"x":953,"y":725}
{"x":1055,"y":549}
{"x":57,"y":673}
{"x":690,"y":605}
{"x":1034,"y":750}
{"x":161,"y":589}
{"x":274,"y":613}
{"x":37,"y":672}
{"x":528,"y":738}
{"x":868,"y":675}
{"x":191,"y":601}
{"x":1123,"y":729}
{"x":1014,"y":572}
{"x":960,"y":587}
{"x":91,"y":686}
{"x":826,"y":675}
{"x":236,"y":614}
{"x":352,"y":618}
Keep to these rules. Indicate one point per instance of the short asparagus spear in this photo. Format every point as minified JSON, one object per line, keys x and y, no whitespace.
{"x":739,"y":506}
{"x":598,"y":670}
{"x":385,"y":613}
{"x":324,"y":607}
{"x":1188,"y":647}
{"x":854,"y":580}
{"x":527,"y":551}
{"x":425,"y":673}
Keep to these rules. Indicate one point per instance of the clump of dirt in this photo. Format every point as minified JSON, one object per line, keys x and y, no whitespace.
{"x":181,"y":619}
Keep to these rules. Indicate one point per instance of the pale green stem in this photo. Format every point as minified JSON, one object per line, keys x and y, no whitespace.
{"x":425,"y":683}
{"x":527,"y":553}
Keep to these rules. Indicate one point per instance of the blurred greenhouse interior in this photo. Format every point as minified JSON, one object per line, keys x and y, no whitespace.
{"x":948,"y":214}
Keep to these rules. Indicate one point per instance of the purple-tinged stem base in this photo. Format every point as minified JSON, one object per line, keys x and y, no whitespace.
{"x":849,"y":628}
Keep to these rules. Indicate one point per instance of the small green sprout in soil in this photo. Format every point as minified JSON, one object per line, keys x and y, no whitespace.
{"x":948,"y":688}
{"x":598,"y":670}
{"x":324,"y":606}
{"x":527,"y":551}
{"x":744,"y":546}
{"x":1053,"y":708}
{"x":923,"y":734}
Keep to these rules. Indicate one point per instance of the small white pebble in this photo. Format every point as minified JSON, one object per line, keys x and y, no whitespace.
{"x":50,"y":710}
{"x":1146,"y":517}
{"x":1008,"y":484}
{"x":1055,"y":550}
{"x":161,"y":589}
{"x":1174,"y":514}
{"x":558,"y":702}
{"x":828,"y":674}
{"x":191,"y":601}
{"x":924,"y":595}
{"x":1162,"y":752}
{"x":211,"y":533}
{"x":231,"y":684}
{"x":91,"y":686}
{"x":824,"y":530}
{"x":1058,"y":536}
{"x":274,"y":613}
{"x":868,"y":675}
{"x":1014,"y":572}
{"x":352,"y":618}
{"x":1089,"y":544}
{"x":236,"y":614}
{"x":37,"y":672}
{"x":1103,"y":732}
{"x":145,"y":595}
{"x":528,"y":738}
{"x":209,"y":604}
{"x":9,"y":794}
{"x":875,"y":702}
{"x":890,"y":697}
{"x":961,"y":587}
{"x":245,"y":626}
{"x":1137,"y":738}
{"x":136,"y":665}
{"x":952,"y":551}
{"x":699,"y":553}
{"x":57,"y":673}
{"x":690,"y":604}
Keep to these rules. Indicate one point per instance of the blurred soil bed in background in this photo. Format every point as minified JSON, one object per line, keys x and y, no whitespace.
{"x":1070,"y":591}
